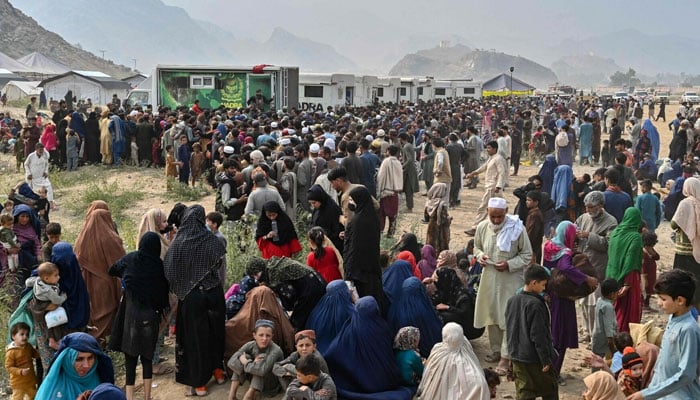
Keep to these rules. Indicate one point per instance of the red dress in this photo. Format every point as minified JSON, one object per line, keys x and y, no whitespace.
{"x":326,"y":266}
{"x":270,"y":249}
{"x":628,"y":308}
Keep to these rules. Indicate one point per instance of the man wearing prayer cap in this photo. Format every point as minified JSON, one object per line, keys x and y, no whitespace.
{"x":593,"y":231}
{"x":496,"y":170}
{"x":503,"y":249}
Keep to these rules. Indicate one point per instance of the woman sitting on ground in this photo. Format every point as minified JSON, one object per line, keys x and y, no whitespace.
{"x":275,"y":233}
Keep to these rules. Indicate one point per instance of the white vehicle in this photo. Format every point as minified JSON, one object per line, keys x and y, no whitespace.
{"x":641,"y":95}
{"x":690,"y":97}
{"x":621,"y":96}
{"x":317,"y":92}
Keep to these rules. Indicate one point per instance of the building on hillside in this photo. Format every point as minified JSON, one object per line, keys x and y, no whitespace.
{"x":92,"y":85}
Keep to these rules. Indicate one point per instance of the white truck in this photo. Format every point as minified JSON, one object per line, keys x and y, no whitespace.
{"x":216,"y":86}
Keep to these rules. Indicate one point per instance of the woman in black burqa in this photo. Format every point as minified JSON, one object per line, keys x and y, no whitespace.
{"x":326,"y":214}
{"x":144,"y":304}
{"x":361,"y":250}
{"x":192,"y":266}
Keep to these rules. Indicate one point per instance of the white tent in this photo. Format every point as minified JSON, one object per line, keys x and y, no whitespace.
{"x":16,"y":90}
{"x":84,"y":85}
{"x":6,"y":62}
{"x":40,"y":64}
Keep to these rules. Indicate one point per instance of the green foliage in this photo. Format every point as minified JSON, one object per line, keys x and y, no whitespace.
{"x":179,"y":192}
{"x":628,"y":78}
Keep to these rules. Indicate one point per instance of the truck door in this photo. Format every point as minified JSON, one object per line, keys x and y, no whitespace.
{"x":349,"y":95}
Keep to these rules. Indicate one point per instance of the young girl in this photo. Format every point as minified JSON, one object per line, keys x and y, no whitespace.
{"x":183,"y":157}
{"x":305,"y":343}
{"x":649,"y":258}
{"x":275,"y":233}
{"x":170,"y":164}
{"x":322,"y":258}
{"x":254,"y":361}
{"x":407,"y":357}
{"x":630,"y":378}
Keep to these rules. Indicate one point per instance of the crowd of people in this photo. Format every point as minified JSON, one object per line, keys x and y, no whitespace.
{"x":408,"y":312}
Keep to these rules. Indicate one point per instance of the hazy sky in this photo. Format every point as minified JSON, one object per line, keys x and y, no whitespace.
{"x":367,"y":30}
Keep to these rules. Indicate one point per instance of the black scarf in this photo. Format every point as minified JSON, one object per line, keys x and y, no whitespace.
{"x":285,"y":227}
{"x":144,"y":277}
{"x":195,"y":255}
{"x":361,"y":251}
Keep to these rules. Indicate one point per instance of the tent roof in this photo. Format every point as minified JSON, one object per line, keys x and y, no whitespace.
{"x":39,"y":63}
{"x":100,"y":78}
{"x":503,"y":82}
{"x":6,"y":62}
{"x":31,"y":87}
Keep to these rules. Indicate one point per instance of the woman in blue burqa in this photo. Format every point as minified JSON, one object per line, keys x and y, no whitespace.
{"x":330,"y":314}
{"x":547,"y":172}
{"x":414,"y":308}
{"x":561,"y":191}
{"x":79,"y":365}
{"x":369,"y":371}
{"x":393,"y":278}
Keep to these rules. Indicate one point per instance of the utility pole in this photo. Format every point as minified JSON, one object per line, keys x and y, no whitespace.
{"x":103,"y":54}
{"x":511,"y":80}
{"x":134,"y":60}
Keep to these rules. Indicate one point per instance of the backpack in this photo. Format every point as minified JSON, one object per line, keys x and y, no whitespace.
{"x":562,"y":139}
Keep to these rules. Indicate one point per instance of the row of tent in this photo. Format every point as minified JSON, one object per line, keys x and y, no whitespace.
{"x":16,"y":75}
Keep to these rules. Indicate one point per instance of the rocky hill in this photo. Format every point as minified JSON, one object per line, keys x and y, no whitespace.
{"x":459,"y":62}
{"x":21,"y":35}
{"x":155,"y":33}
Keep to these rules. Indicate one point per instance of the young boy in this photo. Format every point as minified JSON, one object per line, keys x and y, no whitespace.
{"x":43,"y":207}
{"x":196,"y":163}
{"x":46,"y":290}
{"x":493,"y":380}
{"x":170,"y":164}
{"x":630,"y":378}
{"x":53,"y":232}
{"x":311,"y":382}
{"x":213,"y":221}
{"x":534,"y":224}
{"x":305,"y":343}
{"x":9,"y":241}
{"x":649,"y":206}
{"x":19,"y":357}
{"x":72,"y":149}
{"x":605,"y":153}
{"x":605,"y":326}
{"x":134,"y":159}
{"x":529,"y":337}
{"x":254,"y":361}
{"x":254,"y":273}
{"x":8,"y":207}
{"x":678,"y":366}
{"x":621,"y":340}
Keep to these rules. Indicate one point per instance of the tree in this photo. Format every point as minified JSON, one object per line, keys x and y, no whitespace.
{"x":625,"y":78}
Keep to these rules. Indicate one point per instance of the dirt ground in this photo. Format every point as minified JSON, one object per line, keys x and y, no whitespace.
{"x":151,"y":182}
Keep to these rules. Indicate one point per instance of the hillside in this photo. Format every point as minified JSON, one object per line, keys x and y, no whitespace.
{"x":155,"y":33}
{"x":21,"y":35}
{"x":585,"y":69}
{"x":459,"y":62}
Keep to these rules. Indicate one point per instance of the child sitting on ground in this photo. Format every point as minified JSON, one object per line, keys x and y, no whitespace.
{"x":235,"y":296}
{"x":407,"y":356}
{"x":621,"y":340}
{"x":19,"y":357}
{"x":311,"y":382}
{"x":45,"y":289}
{"x":493,"y":380}
{"x":630,"y":378}
{"x":305,"y":343}
{"x":322,"y":258}
{"x":605,"y":326}
{"x":53,"y":233}
{"x":9,"y":241}
{"x":254,"y":362}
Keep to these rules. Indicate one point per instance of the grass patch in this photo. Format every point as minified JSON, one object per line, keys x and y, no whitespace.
{"x":179,"y":192}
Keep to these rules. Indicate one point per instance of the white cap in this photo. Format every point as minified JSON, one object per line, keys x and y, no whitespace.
{"x":228,"y":149}
{"x":314,"y":148}
{"x":380,"y":133}
{"x":285,"y":141}
{"x":274,"y":124}
{"x":305,"y":130}
{"x":497,"y":202}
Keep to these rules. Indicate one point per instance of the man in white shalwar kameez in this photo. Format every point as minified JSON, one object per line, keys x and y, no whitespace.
{"x":36,"y":171}
{"x":503,"y":249}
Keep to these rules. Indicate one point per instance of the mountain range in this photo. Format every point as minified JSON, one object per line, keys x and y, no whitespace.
{"x":461,"y":62}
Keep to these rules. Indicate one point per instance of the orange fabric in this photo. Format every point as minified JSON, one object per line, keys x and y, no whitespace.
{"x":97,"y":248}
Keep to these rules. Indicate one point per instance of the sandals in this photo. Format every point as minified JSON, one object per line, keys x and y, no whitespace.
{"x":197,"y":392}
{"x":501,"y":371}
{"x":493,"y":357}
